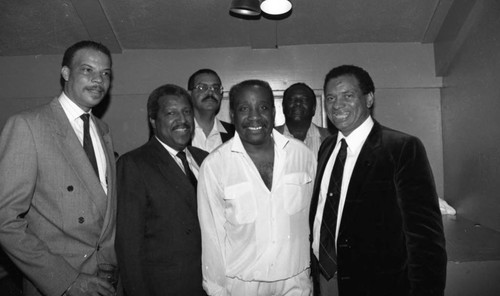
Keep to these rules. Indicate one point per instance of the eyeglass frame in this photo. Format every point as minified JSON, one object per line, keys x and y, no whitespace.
{"x":199,"y":87}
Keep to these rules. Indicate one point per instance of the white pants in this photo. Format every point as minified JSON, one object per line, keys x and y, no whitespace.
{"x":299,"y":285}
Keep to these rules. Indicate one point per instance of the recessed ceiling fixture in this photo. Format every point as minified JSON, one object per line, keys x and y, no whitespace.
{"x":254,"y":7}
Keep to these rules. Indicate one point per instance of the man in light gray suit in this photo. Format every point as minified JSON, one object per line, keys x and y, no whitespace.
{"x":57,"y":198}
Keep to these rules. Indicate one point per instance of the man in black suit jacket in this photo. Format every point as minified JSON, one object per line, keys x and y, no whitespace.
{"x":158,"y":240}
{"x":206,"y":92}
{"x":387,"y":238}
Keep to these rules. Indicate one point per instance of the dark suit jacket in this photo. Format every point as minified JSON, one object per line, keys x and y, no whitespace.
{"x":229,"y":129}
{"x":390,"y":239}
{"x":55,"y":218}
{"x":158,"y":240}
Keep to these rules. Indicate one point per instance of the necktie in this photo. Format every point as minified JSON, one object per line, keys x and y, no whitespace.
{"x":327,"y":256}
{"x":87,"y":142}
{"x":189,"y":173}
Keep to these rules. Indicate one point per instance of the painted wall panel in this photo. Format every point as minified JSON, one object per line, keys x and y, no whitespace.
{"x":471,"y":121}
{"x":403,"y":75}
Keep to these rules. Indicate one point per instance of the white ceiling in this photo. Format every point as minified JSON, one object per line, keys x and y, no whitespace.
{"x":35,"y":27}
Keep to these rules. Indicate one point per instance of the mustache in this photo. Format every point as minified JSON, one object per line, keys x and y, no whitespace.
{"x":210,"y":97}
{"x":182,"y":125}
{"x":95,"y":88}
{"x":255,"y":123}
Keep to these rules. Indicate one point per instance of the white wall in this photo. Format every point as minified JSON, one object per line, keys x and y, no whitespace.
{"x":407,"y":89}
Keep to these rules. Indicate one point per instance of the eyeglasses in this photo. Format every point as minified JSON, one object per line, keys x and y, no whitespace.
{"x":205,"y":87}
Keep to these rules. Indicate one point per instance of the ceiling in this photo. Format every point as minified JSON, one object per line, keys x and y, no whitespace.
{"x":44,"y":27}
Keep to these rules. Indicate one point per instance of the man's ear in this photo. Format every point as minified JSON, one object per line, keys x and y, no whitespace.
{"x":65,"y":73}
{"x":152,"y":122}
{"x":369,"y":100}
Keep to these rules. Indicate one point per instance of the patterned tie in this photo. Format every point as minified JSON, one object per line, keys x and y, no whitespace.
{"x":189,"y":173}
{"x":87,"y":142}
{"x":327,"y":256}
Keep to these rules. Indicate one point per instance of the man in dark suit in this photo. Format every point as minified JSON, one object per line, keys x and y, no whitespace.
{"x":375,"y":220}
{"x":158,"y":240}
{"x":57,"y":183}
{"x":206,"y":92}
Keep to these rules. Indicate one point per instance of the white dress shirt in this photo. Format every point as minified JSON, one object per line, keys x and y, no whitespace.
{"x":355,"y":142}
{"x":249,"y":232}
{"x":313,"y":137}
{"x":73,"y":112}
{"x":213,"y":140}
{"x":193,"y":166}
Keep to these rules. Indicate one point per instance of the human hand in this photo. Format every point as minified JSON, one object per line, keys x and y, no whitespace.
{"x":89,"y":285}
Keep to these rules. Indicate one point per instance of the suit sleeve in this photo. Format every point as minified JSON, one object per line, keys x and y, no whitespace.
{"x":211,"y":216}
{"x":49,"y":272}
{"x":130,"y":225}
{"x":422,"y":220}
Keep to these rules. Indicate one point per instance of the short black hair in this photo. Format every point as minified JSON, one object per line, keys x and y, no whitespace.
{"x":238,"y":88}
{"x":70,"y":52}
{"x":165,"y":90}
{"x":287,"y":94}
{"x":191,"y":85}
{"x":365,"y":81}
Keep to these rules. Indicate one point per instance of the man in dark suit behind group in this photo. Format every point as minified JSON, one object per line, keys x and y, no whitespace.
{"x":376,"y":227}
{"x":57,"y":206}
{"x":158,"y":240}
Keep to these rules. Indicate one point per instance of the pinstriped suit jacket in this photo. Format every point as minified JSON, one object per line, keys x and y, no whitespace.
{"x":55,"y":218}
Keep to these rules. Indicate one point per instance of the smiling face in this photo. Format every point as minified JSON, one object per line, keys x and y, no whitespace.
{"x":253,"y":115}
{"x":209,"y":99}
{"x":299,"y":104}
{"x":88,"y":78}
{"x":346,"y":105}
{"x":174,"y":122}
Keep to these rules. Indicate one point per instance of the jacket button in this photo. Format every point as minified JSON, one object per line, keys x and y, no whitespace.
{"x":70,"y":188}
{"x":81,"y":220}
{"x":98,"y":247}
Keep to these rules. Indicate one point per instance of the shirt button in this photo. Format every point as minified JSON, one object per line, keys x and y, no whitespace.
{"x":81,"y":220}
{"x":70,"y":188}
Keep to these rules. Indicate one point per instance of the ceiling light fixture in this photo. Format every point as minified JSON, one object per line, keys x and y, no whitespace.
{"x":245,"y":7}
{"x":254,"y":7}
{"x":275,"y":7}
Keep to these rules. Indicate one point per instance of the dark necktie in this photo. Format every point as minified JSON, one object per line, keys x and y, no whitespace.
{"x":189,"y":173}
{"x":87,"y":142}
{"x":327,"y":256}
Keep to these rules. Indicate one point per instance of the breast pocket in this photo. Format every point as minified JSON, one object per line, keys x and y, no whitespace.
{"x":298,"y":190}
{"x":241,"y":206}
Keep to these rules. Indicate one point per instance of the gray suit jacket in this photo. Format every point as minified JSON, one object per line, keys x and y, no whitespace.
{"x":55,"y":218}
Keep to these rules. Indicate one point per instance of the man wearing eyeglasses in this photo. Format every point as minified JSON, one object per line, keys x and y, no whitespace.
{"x":206,"y":91}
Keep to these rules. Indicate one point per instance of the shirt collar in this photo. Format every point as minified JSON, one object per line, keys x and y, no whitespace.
{"x":170,"y":150}
{"x":72,"y":110}
{"x":357,"y":137}
{"x":218,"y":127}
{"x":280,"y":142}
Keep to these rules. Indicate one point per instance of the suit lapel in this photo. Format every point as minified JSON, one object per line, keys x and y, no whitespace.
{"x":73,"y":152}
{"x":105,"y":138}
{"x":169,"y":168}
{"x":364,"y":164}
{"x":323,"y":157}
